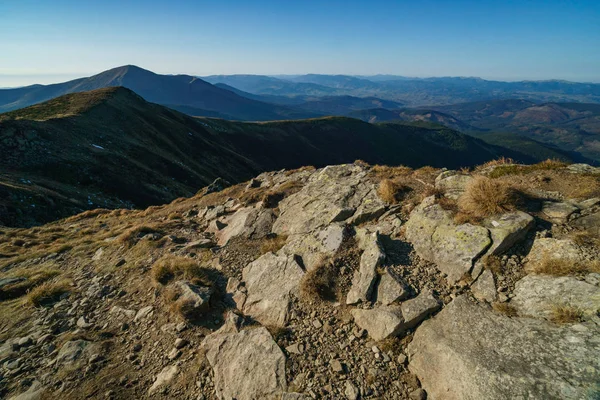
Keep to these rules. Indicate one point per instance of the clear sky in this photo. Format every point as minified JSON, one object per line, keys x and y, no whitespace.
{"x":45,"y":41}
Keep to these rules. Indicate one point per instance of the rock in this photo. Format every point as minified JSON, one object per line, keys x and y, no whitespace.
{"x":10,"y":281}
{"x":295,"y":396}
{"x":337,"y":367}
{"x":295,"y":348}
{"x":391,"y":288}
{"x":537,"y":295}
{"x":558,"y":210}
{"x":194,"y":296}
{"x":174,"y":354}
{"x":72,"y":351}
{"x":513,"y":357}
{"x":98,"y":254}
{"x":588,"y":203}
{"x":371,"y":208}
{"x":47,"y":338}
{"x":180,"y":343}
{"x":164,"y":378}
{"x":217,"y":185}
{"x":380,"y":322}
{"x":332,"y":194}
{"x":251,"y":354}
{"x":351,"y":391}
{"x":416,"y":310}
{"x":544,"y":249}
{"x":507,"y":230}
{"x":25,"y":341}
{"x":35,"y":392}
{"x":83,"y":324}
{"x":589,"y":223}
{"x":316,"y":246}
{"x":270,"y":281}
{"x":364,"y":277}
{"x":436,"y":238}
{"x":418,"y":394}
{"x":484,"y":287}
{"x":452,"y":183}
{"x":248,"y":223}
{"x":143,"y":313}
{"x":122,"y":312}
{"x":582,"y":169}
{"x":200,"y":244}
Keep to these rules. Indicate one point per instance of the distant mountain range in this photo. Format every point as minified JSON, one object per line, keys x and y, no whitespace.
{"x":111,"y":148}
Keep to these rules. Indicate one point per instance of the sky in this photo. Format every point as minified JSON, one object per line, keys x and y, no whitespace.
{"x":45,"y":41}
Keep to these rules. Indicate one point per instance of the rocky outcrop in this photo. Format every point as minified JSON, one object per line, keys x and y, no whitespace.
{"x":538,"y":295}
{"x":270,"y":282}
{"x":380,"y":322}
{"x":545,"y":249}
{"x":436,"y":237}
{"x":249,"y":222}
{"x":247,"y":364}
{"x":333,"y":194}
{"x":452,"y":183}
{"x":508,"y":229}
{"x":469,"y":352}
{"x":364,"y":278}
{"x":316,"y":246}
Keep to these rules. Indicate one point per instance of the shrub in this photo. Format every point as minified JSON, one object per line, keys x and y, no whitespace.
{"x":562,"y":314}
{"x":48,"y":293}
{"x":484,"y":197}
{"x":273,"y":244}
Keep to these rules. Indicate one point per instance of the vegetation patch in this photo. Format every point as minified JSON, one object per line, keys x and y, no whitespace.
{"x":318,"y":283}
{"x":564,"y":314}
{"x":392,"y":191}
{"x":484,"y":197}
{"x":562,"y":267}
{"x":48,"y":293}
{"x":132,"y":235}
{"x":273,"y":244}
{"x":505,"y":308}
{"x":170,"y":267}
{"x":517,"y":169}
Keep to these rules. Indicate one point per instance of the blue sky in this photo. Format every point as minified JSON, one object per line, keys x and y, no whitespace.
{"x":53,"y":40}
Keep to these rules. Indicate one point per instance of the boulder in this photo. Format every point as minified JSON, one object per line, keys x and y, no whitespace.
{"x":507,"y":230}
{"x":317,"y":245}
{"x":583,"y":169}
{"x":164,"y":378}
{"x":391,"y":288}
{"x":247,"y":364}
{"x":196,"y":297}
{"x":469,"y":352}
{"x":416,"y":310}
{"x":380,"y":322}
{"x":332,"y":194}
{"x":537,"y":295}
{"x":270,"y":281}
{"x":247,"y":223}
{"x":589,"y":223}
{"x":75,"y":350}
{"x":558,"y":210}
{"x":484,"y":288}
{"x":452,"y":183}
{"x":364,"y":277}
{"x":436,"y":238}
{"x":553,"y":249}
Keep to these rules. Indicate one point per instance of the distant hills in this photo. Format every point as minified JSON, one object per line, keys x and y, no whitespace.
{"x":190,"y":94}
{"x":111,"y":148}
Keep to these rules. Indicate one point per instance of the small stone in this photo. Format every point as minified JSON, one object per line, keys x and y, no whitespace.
{"x":174,"y":354}
{"x":25,"y":341}
{"x":182,"y":326}
{"x":143,"y":313}
{"x":401,"y":359}
{"x":375,"y":349}
{"x":180,"y":343}
{"x":294,"y":349}
{"x":418,"y":394}
{"x":351,"y":391}
{"x":95,"y":358}
{"x":83,"y":324}
{"x":137,"y":347}
{"x":337,"y":367}
{"x":317,"y":324}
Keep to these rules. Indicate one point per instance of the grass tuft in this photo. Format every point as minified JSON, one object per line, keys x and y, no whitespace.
{"x":505,"y":309}
{"x":391,"y":191}
{"x":273,"y":244}
{"x":563,"y":314}
{"x":48,"y":293}
{"x":318,"y":283}
{"x":562,"y":267}
{"x":170,"y":267}
{"x":484,"y":197}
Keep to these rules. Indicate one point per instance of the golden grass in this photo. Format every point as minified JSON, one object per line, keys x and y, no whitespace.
{"x":547,"y":165}
{"x":505,"y":309}
{"x":170,"y":267}
{"x":389,"y":172}
{"x":585,"y":238}
{"x":562,"y":267}
{"x":391,"y":191}
{"x":499,"y":161}
{"x":318,"y":283}
{"x":273,"y":244}
{"x":563,"y":314}
{"x":48,"y":292}
{"x":493,"y":263}
{"x":130,"y":236}
{"x":485,"y":197}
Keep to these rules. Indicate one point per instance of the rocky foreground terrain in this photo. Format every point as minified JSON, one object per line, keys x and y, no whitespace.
{"x":346,"y":282}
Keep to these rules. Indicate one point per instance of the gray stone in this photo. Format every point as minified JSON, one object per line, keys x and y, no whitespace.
{"x":381,"y":322}
{"x":589,"y":223}
{"x":537,"y":295}
{"x":200,"y":244}
{"x":364,"y":277}
{"x":558,"y":211}
{"x":25,"y":341}
{"x":391,"y":288}
{"x":507,"y":230}
{"x":122,"y":312}
{"x":83,"y":324}
{"x":143,"y":313}
{"x":180,"y":343}
{"x":418,"y":394}
{"x":436,"y":238}
{"x":247,"y":223}
{"x":164,"y":378}
{"x":35,"y":392}
{"x":484,"y":287}
{"x":452,"y":183}
{"x":247,"y":364}
{"x":351,"y":391}
{"x":544,"y":249}
{"x":416,"y":310}
{"x":197,"y":297}
{"x":315,"y":246}
{"x":589,"y":203}
{"x":74,"y":350}
{"x":270,"y":281}
{"x":582,"y":169}
{"x":468,"y":351}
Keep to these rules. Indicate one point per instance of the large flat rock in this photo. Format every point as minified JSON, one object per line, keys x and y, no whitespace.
{"x":469,"y":352}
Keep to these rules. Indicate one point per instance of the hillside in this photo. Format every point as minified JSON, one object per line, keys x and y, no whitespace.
{"x":351,"y":282}
{"x":179,"y":90}
{"x":70,"y":154}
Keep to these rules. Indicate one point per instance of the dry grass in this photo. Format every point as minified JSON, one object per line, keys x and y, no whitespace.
{"x":392,"y":191}
{"x":306,"y":168}
{"x":48,"y":293}
{"x":170,"y":267}
{"x":318,"y":283}
{"x":585,"y":238}
{"x":562,"y":267}
{"x":499,"y":161}
{"x":34,"y":278}
{"x":485,"y":197}
{"x":547,"y":165}
{"x":493,"y":264}
{"x":505,"y":309}
{"x":388,"y":172}
{"x":132,"y":235}
{"x":563,"y":314}
{"x":273,"y":244}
